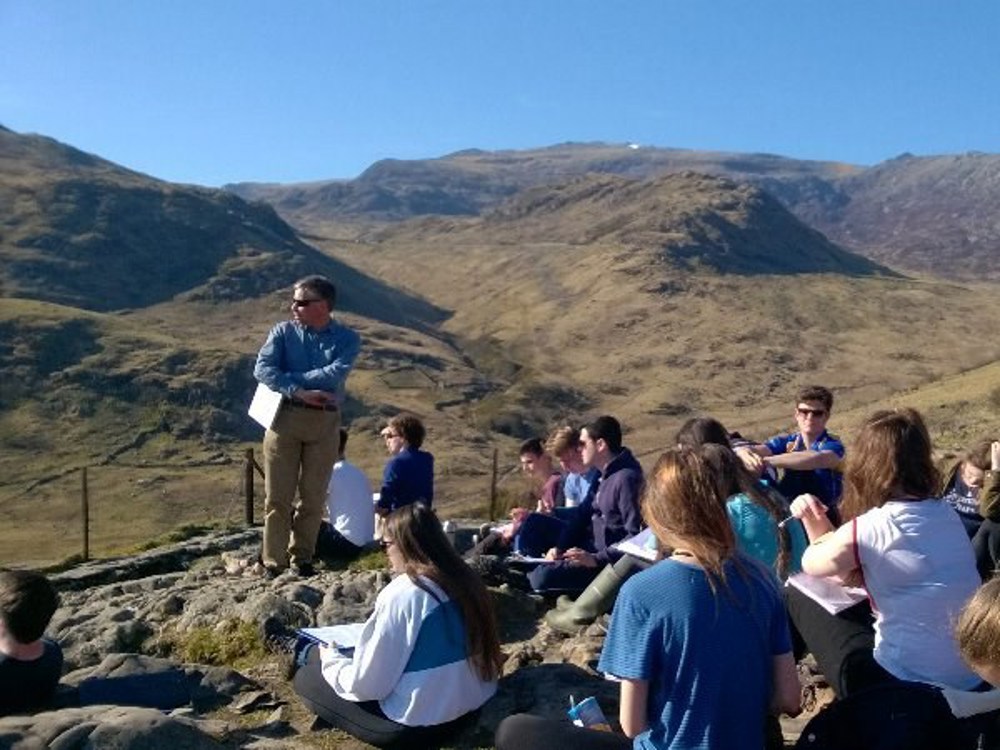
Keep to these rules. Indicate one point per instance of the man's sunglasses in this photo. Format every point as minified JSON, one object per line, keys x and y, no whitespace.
{"x":304,"y":302}
{"x":814,"y":412}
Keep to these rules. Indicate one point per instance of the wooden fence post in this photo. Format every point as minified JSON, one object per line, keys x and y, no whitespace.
{"x":493,"y":488}
{"x":85,"y":501}
{"x":248,"y":467}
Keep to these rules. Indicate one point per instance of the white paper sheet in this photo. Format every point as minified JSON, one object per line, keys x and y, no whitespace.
{"x":642,"y":545}
{"x":264,"y":407}
{"x":828,"y":593}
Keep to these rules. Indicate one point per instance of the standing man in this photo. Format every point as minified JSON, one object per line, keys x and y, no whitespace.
{"x":810,"y":458}
{"x":307,"y":360}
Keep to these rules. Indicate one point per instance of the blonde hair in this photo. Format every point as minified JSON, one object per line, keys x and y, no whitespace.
{"x":978,"y":628}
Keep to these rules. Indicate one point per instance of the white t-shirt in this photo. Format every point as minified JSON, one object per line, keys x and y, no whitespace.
{"x":349,"y":503}
{"x":919,"y":571}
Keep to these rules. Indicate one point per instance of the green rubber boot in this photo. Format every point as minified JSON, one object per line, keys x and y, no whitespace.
{"x":596,"y":599}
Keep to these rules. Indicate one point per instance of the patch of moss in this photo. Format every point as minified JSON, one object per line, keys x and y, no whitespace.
{"x":180,"y":534}
{"x":231,"y":643}
{"x":374,"y":559}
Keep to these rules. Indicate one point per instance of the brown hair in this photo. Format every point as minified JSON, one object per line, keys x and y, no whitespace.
{"x":817,"y":393}
{"x":890,"y":458}
{"x":978,"y":628}
{"x":410,"y":427}
{"x":733,"y":478}
{"x":562,"y":439}
{"x":27,"y":603}
{"x":980,"y":456}
{"x":533,"y":446}
{"x":426,"y":552}
{"x":698,"y":431}
{"x":683,"y":505}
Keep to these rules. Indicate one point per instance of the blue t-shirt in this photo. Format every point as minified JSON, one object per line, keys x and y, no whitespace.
{"x":708,"y":656}
{"x":757,"y":534}
{"x":408,"y":478}
{"x":826,"y":484}
{"x":576,"y":486}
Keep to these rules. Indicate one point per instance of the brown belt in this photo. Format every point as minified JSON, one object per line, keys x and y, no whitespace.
{"x":304,"y":405}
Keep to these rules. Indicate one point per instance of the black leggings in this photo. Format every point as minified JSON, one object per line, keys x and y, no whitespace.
{"x":843,"y":644}
{"x":527,"y":732}
{"x":365,"y":720}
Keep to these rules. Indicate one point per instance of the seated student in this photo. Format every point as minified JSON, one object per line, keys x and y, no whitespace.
{"x":699,"y":640}
{"x":971,"y":485}
{"x":612,"y":515}
{"x":912,"y":554}
{"x":547,"y":483}
{"x":30,"y":665}
{"x":756,"y":515}
{"x":564,"y":444}
{"x":534,"y":533}
{"x":809,"y":459}
{"x":428,"y":655}
{"x":758,"y":512}
{"x":349,"y":504}
{"x":978,"y":632}
{"x":409,"y":473}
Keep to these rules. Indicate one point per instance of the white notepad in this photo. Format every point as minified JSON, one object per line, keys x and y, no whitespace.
{"x":264,"y":407}
{"x":832,"y":596}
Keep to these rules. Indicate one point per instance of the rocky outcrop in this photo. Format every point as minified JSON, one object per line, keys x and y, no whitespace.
{"x":125,"y":625}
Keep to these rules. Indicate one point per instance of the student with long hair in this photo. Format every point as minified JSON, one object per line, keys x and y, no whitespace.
{"x":757,"y":512}
{"x":910,"y":551}
{"x":699,"y":641}
{"x":427,"y":656}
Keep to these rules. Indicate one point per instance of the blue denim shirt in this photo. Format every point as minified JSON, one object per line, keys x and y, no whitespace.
{"x":296,"y":356}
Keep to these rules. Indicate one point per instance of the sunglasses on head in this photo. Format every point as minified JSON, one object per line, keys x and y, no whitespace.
{"x":813,"y":412}
{"x":304,"y":302}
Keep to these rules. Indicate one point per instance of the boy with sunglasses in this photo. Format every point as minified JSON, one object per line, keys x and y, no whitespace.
{"x":808,"y":459}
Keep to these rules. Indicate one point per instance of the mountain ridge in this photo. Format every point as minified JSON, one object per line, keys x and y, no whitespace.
{"x":842,"y":200}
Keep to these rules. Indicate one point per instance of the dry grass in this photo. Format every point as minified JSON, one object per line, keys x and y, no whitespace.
{"x":540,"y":334}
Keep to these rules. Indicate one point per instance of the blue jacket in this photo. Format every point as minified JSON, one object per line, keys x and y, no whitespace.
{"x":408,"y":478}
{"x":611,"y":511}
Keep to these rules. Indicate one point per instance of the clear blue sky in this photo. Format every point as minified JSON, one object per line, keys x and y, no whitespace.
{"x":216,"y":91}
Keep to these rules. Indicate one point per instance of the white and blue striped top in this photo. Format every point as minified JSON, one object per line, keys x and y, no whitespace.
{"x":411,"y":658}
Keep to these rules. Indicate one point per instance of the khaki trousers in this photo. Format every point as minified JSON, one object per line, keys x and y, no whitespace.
{"x":299,"y":452}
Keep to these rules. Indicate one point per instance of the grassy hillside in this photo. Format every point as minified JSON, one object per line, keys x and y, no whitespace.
{"x":655,"y":345}
{"x":653,"y":301}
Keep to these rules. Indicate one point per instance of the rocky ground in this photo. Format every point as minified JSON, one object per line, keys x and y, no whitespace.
{"x":186,"y":619}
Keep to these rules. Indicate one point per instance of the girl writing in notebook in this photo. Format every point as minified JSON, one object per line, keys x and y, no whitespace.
{"x":428,"y":655}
